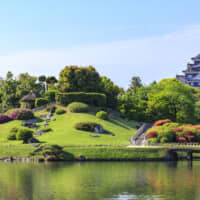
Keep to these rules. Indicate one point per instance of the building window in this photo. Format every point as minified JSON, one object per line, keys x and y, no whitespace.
{"x":191,"y":83}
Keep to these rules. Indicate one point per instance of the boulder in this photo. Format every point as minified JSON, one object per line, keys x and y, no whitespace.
{"x":33,"y":140}
{"x":99,"y":129}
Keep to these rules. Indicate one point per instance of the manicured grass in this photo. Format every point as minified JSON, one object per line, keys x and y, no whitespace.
{"x":117,"y":153}
{"x":63,"y":132}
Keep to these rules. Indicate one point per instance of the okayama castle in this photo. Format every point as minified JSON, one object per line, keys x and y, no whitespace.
{"x":192,"y":73}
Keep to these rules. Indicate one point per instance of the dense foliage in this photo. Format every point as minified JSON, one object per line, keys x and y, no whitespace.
{"x":51,"y":95}
{"x":173,"y":132}
{"x":77,"y":107}
{"x":96,"y":99}
{"x":102,"y":115}
{"x":4,"y":118}
{"x":41,"y":102}
{"x":60,"y":111}
{"x":79,"y":79}
{"x":167,"y":99}
{"x":86,"y":126}
{"x":24,"y":134}
{"x":20,"y":114}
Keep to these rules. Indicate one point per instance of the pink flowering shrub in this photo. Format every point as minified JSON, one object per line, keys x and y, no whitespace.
{"x":3,"y":118}
{"x":180,"y":139}
{"x":20,"y":114}
{"x":176,"y":129}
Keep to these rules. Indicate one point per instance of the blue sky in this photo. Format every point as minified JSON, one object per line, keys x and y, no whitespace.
{"x":121,"y":38}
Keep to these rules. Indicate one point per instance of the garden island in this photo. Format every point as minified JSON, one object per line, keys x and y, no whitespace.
{"x":85,"y":116}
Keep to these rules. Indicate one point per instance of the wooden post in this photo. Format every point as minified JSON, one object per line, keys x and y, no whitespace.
{"x":189,"y":156}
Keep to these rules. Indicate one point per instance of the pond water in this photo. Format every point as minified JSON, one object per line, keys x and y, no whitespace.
{"x":100,"y":181}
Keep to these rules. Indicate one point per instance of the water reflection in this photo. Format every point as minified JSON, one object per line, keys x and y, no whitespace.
{"x":100,"y":181}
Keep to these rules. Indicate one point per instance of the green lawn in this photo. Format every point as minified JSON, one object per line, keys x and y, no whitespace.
{"x":64,"y":134}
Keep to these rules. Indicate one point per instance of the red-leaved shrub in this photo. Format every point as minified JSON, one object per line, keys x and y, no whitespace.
{"x":152,"y":134}
{"x":3,"y":118}
{"x":191,"y":138}
{"x":180,"y":139}
{"x":176,"y":129}
{"x":197,"y":127}
{"x":187,"y":132}
{"x":20,"y":114}
{"x":161,"y":122}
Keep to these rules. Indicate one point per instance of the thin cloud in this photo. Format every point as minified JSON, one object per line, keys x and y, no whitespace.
{"x":151,"y":58}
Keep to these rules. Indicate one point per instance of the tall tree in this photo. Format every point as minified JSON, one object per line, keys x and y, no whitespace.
{"x":8,"y":89}
{"x":50,"y":82}
{"x":79,"y":79}
{"x":135,"y":83}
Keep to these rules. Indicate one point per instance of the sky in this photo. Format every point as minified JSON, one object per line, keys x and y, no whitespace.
{"x":153,"y":39}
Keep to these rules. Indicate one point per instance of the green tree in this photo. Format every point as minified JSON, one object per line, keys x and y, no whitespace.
{"x":135,"y":83}
{"x":79,"y":79}
{"x":26,"y":84}
{"x":111,"y":91}
{"x":8,"y":89}
{"x":50,"y":82}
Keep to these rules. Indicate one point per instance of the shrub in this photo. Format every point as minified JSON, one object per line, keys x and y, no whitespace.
{"x":163,"y":140}
{"x":86,"y":126}
{"x":153,"y":140}
{"x":24,"y":134}
{"x":176,"y":129}
{"x":50,"y":108}
{"x":197,"y":127}
{"x":51,"y":95}
{"x":102,"y":115}
{"x":12,"y":136}
{"x":96,"y":99}
{"x":14,"y":130}
{"x":180,"y":139}
{"x":3,"y":118}
{"x":152,"y":134}
{"x":191,"y":138}
{"x":161,"y":122}
{"x":21,"y":114}
{"x":77,"y":107}
{"x":187,"y":132}
{"x":41,"y":102}
{"x":60,"y":111}
{"x":45,"y":130}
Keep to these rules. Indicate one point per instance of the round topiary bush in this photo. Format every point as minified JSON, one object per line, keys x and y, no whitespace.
{"x":3,"y":118}
{"x":20,"y":114}
{"x":24,"y":134}
{"x":102,"y":115}
{"x":86,"y":126}
{"x":77,"y":107}
{"x":12,"y":136}
{"x":60,"y":111}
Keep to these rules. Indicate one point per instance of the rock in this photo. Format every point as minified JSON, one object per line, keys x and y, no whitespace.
{"x":29,"y":125}
{"x":81,"y":157}
{"x":39,"y":133}
{"x":35,"y":145}
{"x":33,"y":121}
{"x":53,"y":119}
{"x":51,"y":158}
{"x":45,"y":124}
{"x":43,"y":116}
{"x":33,"y":140}
{"x":94,"y":135}
{"x":99,"y":129}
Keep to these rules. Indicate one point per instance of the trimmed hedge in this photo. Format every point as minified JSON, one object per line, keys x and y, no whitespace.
{"x":102,"y":115}
{"x":41,"y":102}
{"x":51,"y":95}
{"x":95,"y":99}
{"x":20,"y":114}
{"x":77,"y":107}
{"x":86,"y":126}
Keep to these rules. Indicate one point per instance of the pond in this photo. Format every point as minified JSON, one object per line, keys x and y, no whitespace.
{"x":100,"y":181}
